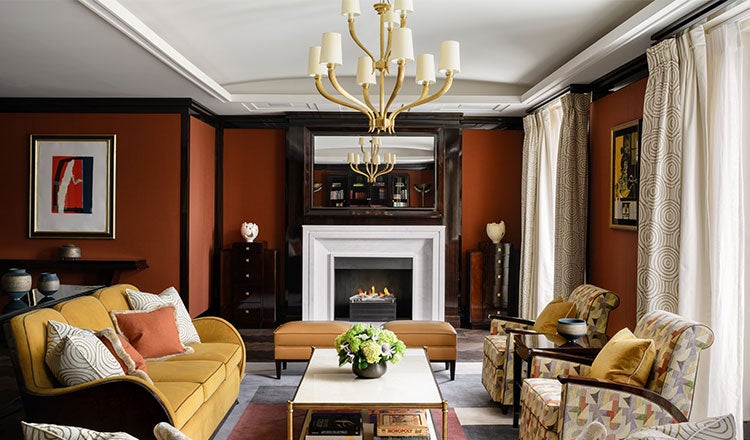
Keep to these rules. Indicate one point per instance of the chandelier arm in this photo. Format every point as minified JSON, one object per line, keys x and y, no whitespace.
{"x":388,"y":168}
{"x":366,"y":96}
{"x":356,"y":170}
{"x":335,"y":83}
{"x":353,"y":34}
{"x":422,"y":100}
{"x":397,"y":86}
{"x":328,"y":96}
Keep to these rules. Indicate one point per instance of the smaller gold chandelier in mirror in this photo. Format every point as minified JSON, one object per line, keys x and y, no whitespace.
{"x":395,"y":47}
{"x":372,"y":161}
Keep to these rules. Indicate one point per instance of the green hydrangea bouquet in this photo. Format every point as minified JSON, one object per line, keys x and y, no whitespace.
{"x":365,"y":344}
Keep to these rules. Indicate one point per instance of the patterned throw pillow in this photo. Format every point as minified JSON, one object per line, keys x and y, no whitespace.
{"x":149,"y":301}
{"x":45,"y":431}
{"x":79,"y":357}
{"x":165,"y":431}
{"x":153,"y":333}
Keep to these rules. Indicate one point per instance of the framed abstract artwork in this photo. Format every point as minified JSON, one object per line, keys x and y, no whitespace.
{"x":625,"y":172}
{"x":72,"y":186}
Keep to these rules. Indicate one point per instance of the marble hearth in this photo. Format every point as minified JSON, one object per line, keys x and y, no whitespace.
{"x":425,"y":245}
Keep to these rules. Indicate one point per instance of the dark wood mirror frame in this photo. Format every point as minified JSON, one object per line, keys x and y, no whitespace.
{"x":434,"y":212}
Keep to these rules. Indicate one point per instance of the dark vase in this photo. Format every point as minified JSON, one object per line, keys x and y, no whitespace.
{"x":372,"y":371}
{"x":48,"y":283}
{"x":16,"y":283}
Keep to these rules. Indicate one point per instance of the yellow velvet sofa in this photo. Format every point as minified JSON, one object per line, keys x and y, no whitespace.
{"x":193,"y":392}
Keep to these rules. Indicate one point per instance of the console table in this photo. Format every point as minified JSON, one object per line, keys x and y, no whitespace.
{"x":111,"y":267}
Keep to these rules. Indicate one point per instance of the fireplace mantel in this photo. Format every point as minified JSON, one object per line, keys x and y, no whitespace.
{"x":425,"y":245}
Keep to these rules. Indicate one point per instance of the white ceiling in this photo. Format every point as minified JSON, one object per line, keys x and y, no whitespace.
{"x":248,"y":57}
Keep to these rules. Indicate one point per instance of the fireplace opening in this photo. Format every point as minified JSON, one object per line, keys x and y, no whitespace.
{"x":369,"y":288}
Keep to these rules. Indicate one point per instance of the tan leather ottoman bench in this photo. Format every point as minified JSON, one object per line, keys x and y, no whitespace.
{"x":437,"y":336}
{"x":293,"y":341}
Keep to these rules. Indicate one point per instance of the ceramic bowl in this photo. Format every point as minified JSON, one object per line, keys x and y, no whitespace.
{"x":571,"y":328}
{"x":69,"y":252}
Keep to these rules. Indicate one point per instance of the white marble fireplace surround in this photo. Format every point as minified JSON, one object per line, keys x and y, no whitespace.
{"x":425,"y":245}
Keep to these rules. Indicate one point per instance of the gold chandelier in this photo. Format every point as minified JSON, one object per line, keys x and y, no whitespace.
{"x":372,"y":160}
{"x":395,"y":47}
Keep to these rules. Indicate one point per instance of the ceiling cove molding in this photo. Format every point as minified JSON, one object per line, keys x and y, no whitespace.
{"x":123,"y":20}
{"x":636,"y":27}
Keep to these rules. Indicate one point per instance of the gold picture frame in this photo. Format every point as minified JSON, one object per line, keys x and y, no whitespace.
{"x":72,"y":186}
{"x":625,"y":175}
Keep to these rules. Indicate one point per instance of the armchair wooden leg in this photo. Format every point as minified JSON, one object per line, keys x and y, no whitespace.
{"x":278,"y":369}
{"x":453,"y":369}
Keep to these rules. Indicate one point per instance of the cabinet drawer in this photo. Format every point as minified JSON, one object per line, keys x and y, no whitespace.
{"x":247,"y":277}
{"x":246,"y":293}
{"x":248,"y":315}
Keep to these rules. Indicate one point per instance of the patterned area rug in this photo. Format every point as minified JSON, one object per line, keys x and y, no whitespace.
{"x":264,"y":421}
{"x":478,"y":417}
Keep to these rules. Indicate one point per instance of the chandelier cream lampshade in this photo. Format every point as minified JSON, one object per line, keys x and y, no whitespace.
{"x":372,"y":166}
{"x":396,"y":49}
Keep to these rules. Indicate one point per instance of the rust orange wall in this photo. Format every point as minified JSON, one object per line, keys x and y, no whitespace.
{"x":147,"y":191}
{"x":612,"y":253}
{"x":201,"y":213}
{"x":254,"y":184}
{"x":491,"y":185}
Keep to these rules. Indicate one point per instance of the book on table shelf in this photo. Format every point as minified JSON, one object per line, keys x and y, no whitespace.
{"x":402,"y":423}
{"x":334,"y":426}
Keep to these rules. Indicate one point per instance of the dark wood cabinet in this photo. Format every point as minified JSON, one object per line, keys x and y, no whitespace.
{"x":493,"y":283}
{"x":253,"y":285}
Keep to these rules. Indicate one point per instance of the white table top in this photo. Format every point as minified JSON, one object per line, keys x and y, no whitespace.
{"x":409,"y":382}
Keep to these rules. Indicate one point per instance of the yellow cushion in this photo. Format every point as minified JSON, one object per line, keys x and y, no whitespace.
{"x":85,"y":312}
{"x":184,"y":397}
{"x":624,"y":359}
{"x":208,"y":374}
{"x":546,"y":322}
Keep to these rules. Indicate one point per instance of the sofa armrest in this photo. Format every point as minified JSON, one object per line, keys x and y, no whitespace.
{"x":215,"y":329}
{"x":122,"y":403}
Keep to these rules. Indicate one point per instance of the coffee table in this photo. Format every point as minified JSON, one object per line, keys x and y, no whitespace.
{"x":409,"y":383}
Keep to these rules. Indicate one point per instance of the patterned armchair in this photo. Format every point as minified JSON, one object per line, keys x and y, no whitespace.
{"x":593,"y":305}
{"x":560,"y":408}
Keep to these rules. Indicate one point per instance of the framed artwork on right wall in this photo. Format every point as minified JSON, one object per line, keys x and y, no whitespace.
{"x":625,"y":172}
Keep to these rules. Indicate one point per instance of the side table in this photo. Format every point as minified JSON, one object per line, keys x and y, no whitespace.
{"x":528,"y":344}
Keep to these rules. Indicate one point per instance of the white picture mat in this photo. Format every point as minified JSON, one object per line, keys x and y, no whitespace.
{"x":46,"y":220}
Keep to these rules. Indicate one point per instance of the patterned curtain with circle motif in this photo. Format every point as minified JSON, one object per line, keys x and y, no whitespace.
{"x":660,"y":187}
{"x":571,"y":198}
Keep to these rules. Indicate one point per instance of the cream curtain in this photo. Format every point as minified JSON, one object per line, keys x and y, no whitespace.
{"x":540,"y":147}
{"x":660,"y":188}
{"x":713,"y":269}
{"x":571,"y":206}
{"x":695,"y":260}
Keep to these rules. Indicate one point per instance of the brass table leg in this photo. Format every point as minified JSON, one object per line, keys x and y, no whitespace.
{"x":445,"y":420}
{"x":289,"y":420}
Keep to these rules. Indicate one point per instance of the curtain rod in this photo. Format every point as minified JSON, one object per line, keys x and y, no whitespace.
{"x":688,"y":20}
{"x":573,"y":88}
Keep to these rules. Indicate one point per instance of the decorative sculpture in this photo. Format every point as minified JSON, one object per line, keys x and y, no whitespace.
{"x":496,"y":231}
{"x":249,"y":231}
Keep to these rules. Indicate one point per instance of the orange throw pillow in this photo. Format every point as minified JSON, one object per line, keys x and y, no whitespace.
{"x":153,"y":334}
{"x":137,"y":358}
{"x":546,"y":322}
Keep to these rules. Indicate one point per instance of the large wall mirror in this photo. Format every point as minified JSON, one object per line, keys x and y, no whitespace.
{"x":410,"y":185}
